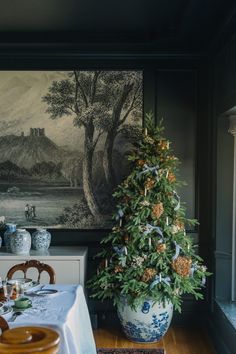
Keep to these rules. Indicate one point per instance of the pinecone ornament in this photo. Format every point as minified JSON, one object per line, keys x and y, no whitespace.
{"x":150,"y":183}
{"x":182,"y":266}
{"x":171,"y":177}
{"x":161,"y":247}
{"x":148,"y":274}
{"x":149,"y":140}
{"x":157,"y":210}
{"x":180,"y":225}
{"x":163,"y":145}
{"x":118,"y":268}
{"x":140,"y":163}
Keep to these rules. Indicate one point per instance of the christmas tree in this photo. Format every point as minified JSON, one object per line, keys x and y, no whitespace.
{"x":148,"y":254}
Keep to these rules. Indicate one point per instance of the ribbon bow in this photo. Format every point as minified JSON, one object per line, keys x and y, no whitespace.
{"x":147,"y":169}
{"x":120,"y":250}
{"x":177,"y":250}
{"x":149,"y":228}
{"x":158,"y":279}
{"x":119,"y":214}
{"x":177,"y":198}
{"x":193,"y":269}
{"x":122,"y":253}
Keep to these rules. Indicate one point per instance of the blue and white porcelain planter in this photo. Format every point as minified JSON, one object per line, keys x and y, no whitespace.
{"x":41,"y":240}
{"x":21,"y":242}
{"x":148,"y":324}
{"x":10,"y":229}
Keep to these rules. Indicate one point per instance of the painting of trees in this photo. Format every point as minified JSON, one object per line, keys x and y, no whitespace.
{"x":101,"y":103}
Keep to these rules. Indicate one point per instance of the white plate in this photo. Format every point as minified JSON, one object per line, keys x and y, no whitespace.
{"x":44,"y":292}
{"x":24,"y":281}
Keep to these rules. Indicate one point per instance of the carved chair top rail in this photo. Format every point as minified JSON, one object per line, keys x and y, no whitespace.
{"x":33,"y":264}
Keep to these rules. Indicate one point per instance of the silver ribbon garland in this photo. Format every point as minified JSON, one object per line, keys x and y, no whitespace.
{"x":149,"y":228}
{"x":177,"y":198}
{"x":193,"y":269}
{"x":159,"y":279}
{"x":146,"y":169}
{"x":177,"y":250}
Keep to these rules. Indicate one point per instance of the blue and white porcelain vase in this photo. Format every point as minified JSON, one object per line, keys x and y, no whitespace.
{"x":148,"y":324}
{"x":20,"y":242}
{"x":11,"y":228}
{"x":41,"y":240}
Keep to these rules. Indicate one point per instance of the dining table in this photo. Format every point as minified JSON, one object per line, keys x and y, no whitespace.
{"x":62,"y":307}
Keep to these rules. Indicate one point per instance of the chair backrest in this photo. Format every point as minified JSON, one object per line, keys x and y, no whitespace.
{"x":33,"y":264}
{"x":3,"y":324}
{"x":24,"y":340}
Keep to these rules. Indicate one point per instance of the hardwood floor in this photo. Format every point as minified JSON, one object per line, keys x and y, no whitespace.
{"x":178,"y":340}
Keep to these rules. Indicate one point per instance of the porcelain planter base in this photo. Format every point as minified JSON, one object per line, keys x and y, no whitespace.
{"x":146,"y":325}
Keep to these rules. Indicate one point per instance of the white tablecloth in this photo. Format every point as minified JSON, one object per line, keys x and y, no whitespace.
{"x":67,"y":312}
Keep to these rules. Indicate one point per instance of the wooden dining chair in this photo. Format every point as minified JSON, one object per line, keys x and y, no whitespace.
{"x":24,"y":340}
{"x":3,"y":324}
{"x":41,"y":267}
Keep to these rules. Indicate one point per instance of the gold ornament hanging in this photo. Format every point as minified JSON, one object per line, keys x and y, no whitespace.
{"x":148,"y":274}
{"x":182,"y":266}
{"x":157,"y":210}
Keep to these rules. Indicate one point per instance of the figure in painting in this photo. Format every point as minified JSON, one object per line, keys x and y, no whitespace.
{"x":33,"y":211}
{"x":27,"y":211}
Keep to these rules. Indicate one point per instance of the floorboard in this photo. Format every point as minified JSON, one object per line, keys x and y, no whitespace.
{"x":178,"y":340}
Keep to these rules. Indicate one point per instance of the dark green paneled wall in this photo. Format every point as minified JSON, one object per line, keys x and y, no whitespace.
{"x":175,"y":87}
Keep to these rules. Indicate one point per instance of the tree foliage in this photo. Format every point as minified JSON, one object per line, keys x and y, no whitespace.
{"x":148,"y":254}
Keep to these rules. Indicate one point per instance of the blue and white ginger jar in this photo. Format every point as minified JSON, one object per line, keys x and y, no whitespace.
{"x":148,"y":323}
{"x":11,"y":228}
{"x":21,"y":242}
{"x":41,"y":240}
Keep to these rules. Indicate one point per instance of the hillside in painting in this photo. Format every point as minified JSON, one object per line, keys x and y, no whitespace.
{"x":26,"y":151}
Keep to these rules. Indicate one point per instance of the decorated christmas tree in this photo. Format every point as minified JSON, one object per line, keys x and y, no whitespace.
{"x":148,"y":254}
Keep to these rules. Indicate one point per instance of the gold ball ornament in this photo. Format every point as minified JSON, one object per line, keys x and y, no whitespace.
{"x":157,"y":210}
{"x":182,"y":266}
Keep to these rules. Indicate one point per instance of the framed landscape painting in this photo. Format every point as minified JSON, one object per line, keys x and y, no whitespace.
{"x":64,"y":140}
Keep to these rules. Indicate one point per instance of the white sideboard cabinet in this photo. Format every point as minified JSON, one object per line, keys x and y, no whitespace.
{"x":68,"y":262}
